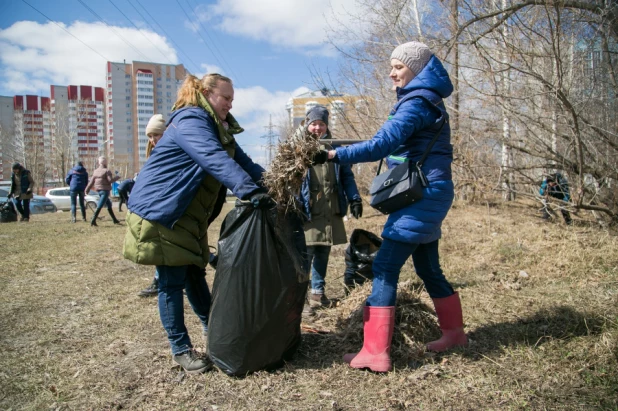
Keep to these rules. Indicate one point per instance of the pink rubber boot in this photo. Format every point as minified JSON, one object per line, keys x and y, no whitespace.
{"x":451,"y":324}
{"x":378,"y":325}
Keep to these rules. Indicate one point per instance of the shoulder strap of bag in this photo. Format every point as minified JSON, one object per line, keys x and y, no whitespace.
{"x":420,"y":162}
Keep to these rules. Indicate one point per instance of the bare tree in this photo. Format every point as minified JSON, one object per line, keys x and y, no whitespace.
{"x":537,"y":77}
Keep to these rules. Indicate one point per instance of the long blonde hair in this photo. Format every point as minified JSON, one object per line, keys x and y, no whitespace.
{"x":187,"y":92}
{"x":149,"y":148}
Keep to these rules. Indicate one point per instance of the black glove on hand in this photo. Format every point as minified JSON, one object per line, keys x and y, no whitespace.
{"x":262,"y":200}
{"x":320,"y":157}
{"x":356,"y":207}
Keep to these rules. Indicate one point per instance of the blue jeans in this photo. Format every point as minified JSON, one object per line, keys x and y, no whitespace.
{"x":171,"y":282}
{"x":318,"y":259}
{"x":387,"y":266}
{"x":82,"y":207}
{"x":23,"y":206}
{"x":104,"y":201}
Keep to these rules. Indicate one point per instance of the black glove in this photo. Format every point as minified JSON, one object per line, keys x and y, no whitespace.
{"x":356,"y":207}
{"x":8,"y":197}
{"x":320,"y":157}
{"x":262,"y":200}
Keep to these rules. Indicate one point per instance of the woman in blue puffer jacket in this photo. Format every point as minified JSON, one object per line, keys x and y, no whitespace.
{"x":421,"y":83}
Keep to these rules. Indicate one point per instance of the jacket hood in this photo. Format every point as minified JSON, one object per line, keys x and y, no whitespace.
{"x":433,"y":77}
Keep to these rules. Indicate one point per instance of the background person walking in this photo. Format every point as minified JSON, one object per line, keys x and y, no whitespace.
{"x":22,"y":185}
{"x":102,"y":180}
{"x":77,"y":179}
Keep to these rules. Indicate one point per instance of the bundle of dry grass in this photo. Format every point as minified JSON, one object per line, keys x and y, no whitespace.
{"x":285,"y":175}
{"x":415,"y":324}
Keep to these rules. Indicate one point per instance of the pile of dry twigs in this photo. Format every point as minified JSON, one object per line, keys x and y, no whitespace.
{"x":341,"y":328}
{"x":285,"y":175}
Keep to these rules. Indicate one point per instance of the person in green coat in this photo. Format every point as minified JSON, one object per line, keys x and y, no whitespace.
{"x":176,"y":194}
{"x":326,"y":192}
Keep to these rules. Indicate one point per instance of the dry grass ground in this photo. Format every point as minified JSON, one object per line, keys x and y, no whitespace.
{"x":76,"y":336}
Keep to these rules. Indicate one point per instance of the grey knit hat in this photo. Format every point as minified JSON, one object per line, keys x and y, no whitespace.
{"x":316,"y":113}
{"x":414,"y":54}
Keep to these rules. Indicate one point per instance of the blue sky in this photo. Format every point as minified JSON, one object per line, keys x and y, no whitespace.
{"x":268,"y":47}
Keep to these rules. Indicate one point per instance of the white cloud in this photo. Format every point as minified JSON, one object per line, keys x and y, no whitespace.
{"x":259,"y":100}
{"x":34,"y":55}
{"x":253,"y":107}
{"x":209,"y":68}
{"x":297,"y":24}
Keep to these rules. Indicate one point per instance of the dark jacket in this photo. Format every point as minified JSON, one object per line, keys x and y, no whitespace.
{"x":126,"y":185}
{"x":77,"y":178}
{"x":26,"y":183}
{"x":411,"y":125}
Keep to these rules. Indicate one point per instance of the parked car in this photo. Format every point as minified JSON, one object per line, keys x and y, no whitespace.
{"x":38,"y":204}
{"x":61,"y":197}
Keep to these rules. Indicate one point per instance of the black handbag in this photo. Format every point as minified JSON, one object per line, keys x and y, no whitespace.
{"x":401,"y":185}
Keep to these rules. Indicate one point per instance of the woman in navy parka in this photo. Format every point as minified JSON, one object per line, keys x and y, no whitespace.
{"x":421,"y":83}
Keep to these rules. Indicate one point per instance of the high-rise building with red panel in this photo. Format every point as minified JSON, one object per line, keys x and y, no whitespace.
{"x":78,"y":132}
{"x":32,"y":142}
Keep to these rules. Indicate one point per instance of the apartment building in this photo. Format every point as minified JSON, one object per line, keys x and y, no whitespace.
{"x":7,"y":114}
{"x":346,"y":111}
{"x":78,"y":126}
{"x":135,"y":92}
{"x":32,"y":143}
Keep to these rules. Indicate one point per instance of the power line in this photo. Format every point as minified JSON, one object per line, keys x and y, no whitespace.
{"x":214,"y":43}
{"x":67,"y":31}
{"x":162,"y":29}
{"x":199,"y":34}
{"x":113,"y":30}
{"x":138,"y":29}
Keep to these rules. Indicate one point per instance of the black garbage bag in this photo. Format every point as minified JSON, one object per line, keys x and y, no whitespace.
{"x":359,"y":256}
{"x":259,"y":290}
{"x":8,"y":214}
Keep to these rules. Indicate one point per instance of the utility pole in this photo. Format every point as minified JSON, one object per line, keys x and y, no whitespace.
{"x":270,"y":140}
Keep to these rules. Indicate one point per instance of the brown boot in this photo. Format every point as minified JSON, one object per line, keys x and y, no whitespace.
{"x":319,"y":300}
